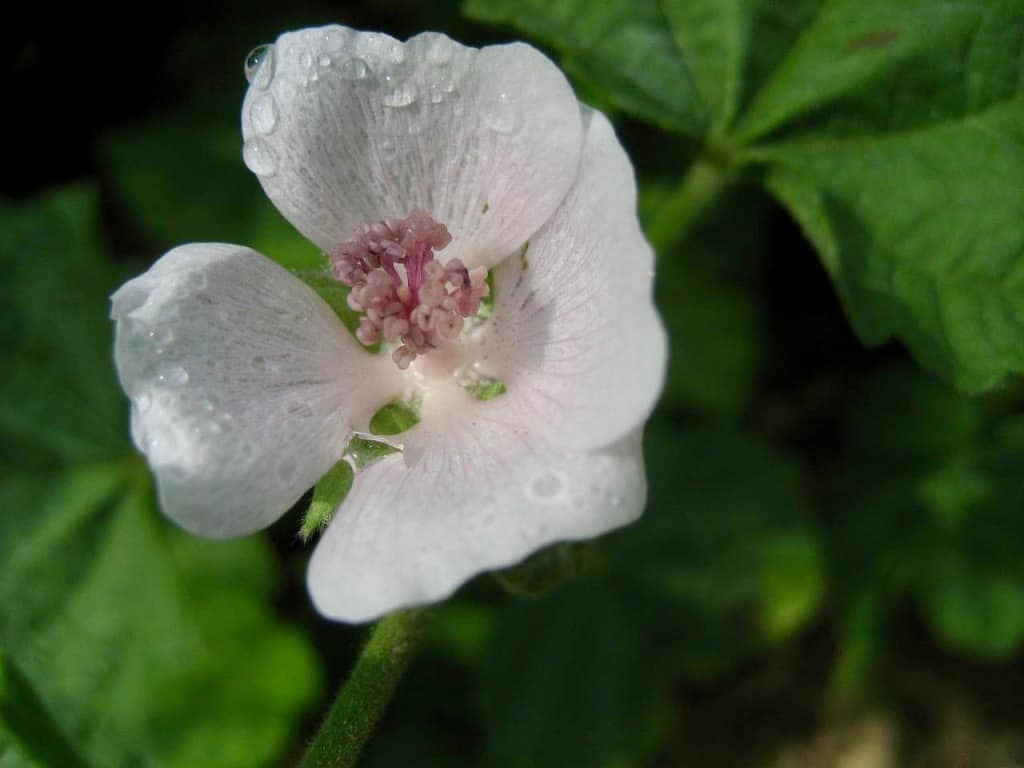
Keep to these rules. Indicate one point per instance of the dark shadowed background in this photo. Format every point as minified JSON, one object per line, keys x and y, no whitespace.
{"x":831,"y":566}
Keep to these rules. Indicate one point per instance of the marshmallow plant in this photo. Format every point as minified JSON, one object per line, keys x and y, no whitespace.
{"x":486,"y":224}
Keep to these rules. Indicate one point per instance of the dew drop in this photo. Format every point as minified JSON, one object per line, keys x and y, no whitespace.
{"x":503,"y":116}
{"x":285,"y":91}
{"x":334,"y":40}
{"x":324,"y":60}
{"x":402,"y":95}
{"x":142,"y":402}
{"x":547,"y":486}
{"x":259,"y":157}
{"x":162,"y":441}
{"x":396,"y":53}
{"x":161,"y":336}
{"x":174,"y":377}
{"x":440,"y":51}
{"x":437,"y":93}
{"x":355,"y":69}
{"x":305,"y":60}
{"x":259,"y":66}
{"x":287,"y":469}
{"x":263,"y":114}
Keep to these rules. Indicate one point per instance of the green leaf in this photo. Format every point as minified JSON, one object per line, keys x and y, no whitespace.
{"x":134,"y":643}
{"x":181,"y":179}
{"x":980,"y":613}
{"x":621,"y":48}
{"x":58,"y":395}
{"x":897,"y":145}
{"x":741,"y":554}
{"x":891,"y":130}
{"x":927,"y":505}
{"x":921,"y":232}
{"x":724,"y":563}
{"x":144,"y":645}
{"x":556,"y":692}
{"x":731,"y":46}
{"x":25,"y":721}
{"x":878,"y":67}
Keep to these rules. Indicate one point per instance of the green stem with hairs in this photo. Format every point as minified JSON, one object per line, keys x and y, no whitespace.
{"x":361,"y":702}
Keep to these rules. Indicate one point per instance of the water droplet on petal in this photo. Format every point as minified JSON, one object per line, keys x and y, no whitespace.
{"x":259,"y":66}
{"x":285,"y":91}
{"x":176,"y":377}
{"x":355,"y":69}
{"x":161,"y":336}
{"x":503,"y":116}
{"x":305,"y":59}
{"x":334,"y":40}
{"x":287,"y":470}
{"x":402,"y":95}
{"x":263,"y":114}
{"x":142,"y":402}
{"x":547,"y":486}
{"x":259,"y":157}
{"x":440,"y":51}
{"x":396,"y":53}
{"x":324,"y":60}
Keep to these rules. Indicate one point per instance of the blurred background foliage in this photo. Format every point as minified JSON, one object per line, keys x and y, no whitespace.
{"x":831,"y":567}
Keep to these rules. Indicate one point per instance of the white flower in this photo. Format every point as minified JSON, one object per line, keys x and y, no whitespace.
{"x":246,"y":388}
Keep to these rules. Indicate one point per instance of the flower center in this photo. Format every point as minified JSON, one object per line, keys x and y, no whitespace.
{"x":404,"y":293}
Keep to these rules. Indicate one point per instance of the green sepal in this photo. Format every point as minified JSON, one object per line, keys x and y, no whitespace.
{"x":363,"y":452}
{"x":394,"y":418}
{"x":487,"y":389}
{"x":329,"y":492}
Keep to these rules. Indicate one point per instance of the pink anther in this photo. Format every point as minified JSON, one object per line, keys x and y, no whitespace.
{"x":403,"y":291}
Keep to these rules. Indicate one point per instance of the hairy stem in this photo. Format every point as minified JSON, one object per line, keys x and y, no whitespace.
{"x":700,"y":186}
{"x":365,"y":695}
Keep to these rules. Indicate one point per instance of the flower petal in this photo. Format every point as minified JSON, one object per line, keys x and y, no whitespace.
{"x":575,"y":336}
{"x":345,"y":128}
{"x":482,"y":497}
{"x":244,"y":384}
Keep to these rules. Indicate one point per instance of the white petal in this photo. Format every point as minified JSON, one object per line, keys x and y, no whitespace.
{"x":353,"y":127}
{"x":244,"y":384}
{"x":575,"y":336}
{"x":482,"y":497}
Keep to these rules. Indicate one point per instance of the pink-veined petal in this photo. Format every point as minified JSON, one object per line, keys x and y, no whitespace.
{"x":481,"y":495}
{"x":575,"y":336}
{"x":346,"y":127}
{"x":244,"y":384}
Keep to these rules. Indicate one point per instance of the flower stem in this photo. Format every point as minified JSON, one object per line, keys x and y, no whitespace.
{"x":365,"y":695}
{"x":707,"y":176}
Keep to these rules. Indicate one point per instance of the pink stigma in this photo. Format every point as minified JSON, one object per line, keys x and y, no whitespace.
{"x":405,"y":293}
